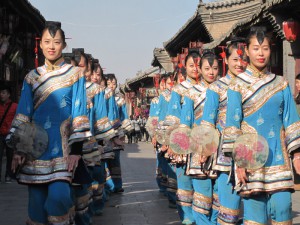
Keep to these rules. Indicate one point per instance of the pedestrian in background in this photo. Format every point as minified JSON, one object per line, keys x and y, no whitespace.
{"x":137,"y":129}
{"x":7,"y":113}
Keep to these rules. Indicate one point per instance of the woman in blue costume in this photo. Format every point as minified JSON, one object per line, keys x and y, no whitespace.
{"x":173,"y":119}
{"x":120,"y":121}
{"x":214,"y":114}
{"x":53,"y":96}
{"x":98,"y":171}
{"x":195,"y":186}
{"x":261,"y":102}
{"x":168,"y":182}
{"x":101,"y":128}
{"x":82,"y":197}
{"x":153,"y":115}
{"x":297,"y":98}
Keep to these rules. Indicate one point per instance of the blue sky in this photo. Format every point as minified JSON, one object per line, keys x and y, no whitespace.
{"x":121,"y":34}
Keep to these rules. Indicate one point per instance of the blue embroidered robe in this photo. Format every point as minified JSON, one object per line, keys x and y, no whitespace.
{"x":214,"y":114}
{"x":191,"y":115}
{"x":262,"y":103}
{"x":54,"y":98}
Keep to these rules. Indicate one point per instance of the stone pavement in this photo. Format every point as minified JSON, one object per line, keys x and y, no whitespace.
{"x":140,"y":204}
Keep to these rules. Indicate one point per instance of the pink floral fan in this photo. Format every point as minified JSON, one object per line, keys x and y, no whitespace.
{"x":205,"y":140}
{"x":251,"y":151}
{"x":151,"y":125}
{"x":180,"y":140}
{"x":163,"y":134}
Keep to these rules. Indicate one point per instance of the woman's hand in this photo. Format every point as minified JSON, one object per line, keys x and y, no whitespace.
{"x":164,"y":148}
{"x":296,"y":162}
{"x":241,"y":174}
{"x":203,"y":158}
{"x":154,"y":142}
{"x":118,"y":142}
{"x":73,"y":162}
{"x":18,"y":160}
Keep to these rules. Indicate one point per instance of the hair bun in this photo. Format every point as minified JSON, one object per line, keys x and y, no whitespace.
{"x":76,"y":50}
{"x":258,"y":29}
{"x":206,"y":52}
{"x":53,"y":23}
{"x":236,"y":40}
{"x":193,"y":51}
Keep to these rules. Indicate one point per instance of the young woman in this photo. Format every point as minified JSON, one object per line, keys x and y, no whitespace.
{"x":214,"y":114}
{"x":153,"y":115}
{"x":53,"y":96}
{"x":168,"y":181}
{"x":97,"y":74}
{"x":297,"y":99}
{"x":195,"y":185}
{"x":261,"y":102}
{"x":97,"y":107}
{"x":115,"y":184}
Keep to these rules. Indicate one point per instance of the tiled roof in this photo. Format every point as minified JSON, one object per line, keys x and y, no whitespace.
{"x":225,"y":3}
{"x":35,"y":17}
{"x":184,"y":34}
{"x":221,"y":20}
{"x":162,"y":58}
{"x":147,"y":73}
{"x":217,"y":19}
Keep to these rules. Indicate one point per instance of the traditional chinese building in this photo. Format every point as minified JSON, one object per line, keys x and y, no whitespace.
{"x":216,"y":22}
{"x":140,"y":90}
{"x":20,"y":24}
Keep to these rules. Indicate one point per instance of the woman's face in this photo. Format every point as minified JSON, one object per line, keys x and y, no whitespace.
{"x":162,"y":84}
{"x":169,"y":83}
{"x":192,"y":70}
{"x":180,"y":78}
{"x":209,"y":73}
{"x":234,"y":63}
{"x":298,"y":85}
{"x":52,"y":47}
{"x":83,"y":65}
{"x":112,"y":84}
{"x":96,"y":76}
{"x":259,"y":54}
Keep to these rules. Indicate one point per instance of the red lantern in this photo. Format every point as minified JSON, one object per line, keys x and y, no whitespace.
{"x":156,"y":80}
{"x":185,"y":51}
{"x":291,"y":29}
{"x":182,"y":59}
{"x":36,"y":52}
{"x":223,"y":56}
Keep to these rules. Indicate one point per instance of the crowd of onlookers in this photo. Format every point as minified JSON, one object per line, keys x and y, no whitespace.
{"x":139,"y":133}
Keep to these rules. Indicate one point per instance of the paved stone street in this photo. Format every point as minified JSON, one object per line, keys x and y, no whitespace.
{"x":140,"y":204}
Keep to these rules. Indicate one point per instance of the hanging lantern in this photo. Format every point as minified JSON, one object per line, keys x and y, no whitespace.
{"x":36,"y":52}
{"x":223,"y":56}
{"x":156,"y":78}
{"x":291,"y":29}
{"x":185,"y":51}
{"x":181,"y":60}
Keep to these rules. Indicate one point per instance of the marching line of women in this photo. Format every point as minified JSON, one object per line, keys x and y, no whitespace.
{"x":222,"y":142}
{"x":71,"y":171}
